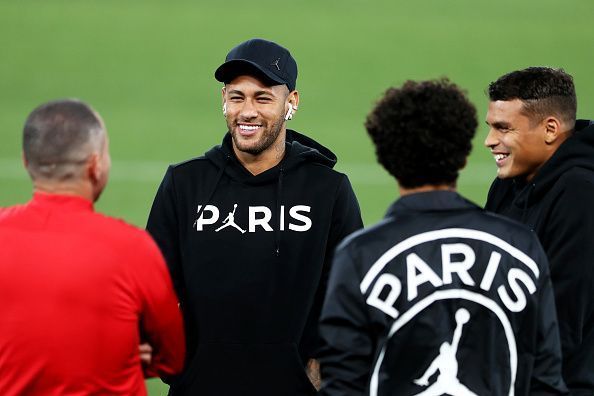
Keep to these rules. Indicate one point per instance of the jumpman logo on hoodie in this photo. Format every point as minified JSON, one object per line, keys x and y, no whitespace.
{"x":230,"y":221}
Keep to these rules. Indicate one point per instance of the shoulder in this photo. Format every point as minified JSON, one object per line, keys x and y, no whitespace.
{"x":323,"y":169}
{"x":482,"y":225}
{"x":189,"y":166}
{"x":366,"y":236}
{"x":323,"y":179}
{"x":577,"y":179}
{"x":326,"y":173}
{"x":573,"y":192}
{"x":189,"y":163}
{"x":191,"y":169}
{"x":121,"y":233}
{"x":508,"y":224}
{"x":572,"y":197}
{"x":511,"y":232}
{"x":9,"y":212}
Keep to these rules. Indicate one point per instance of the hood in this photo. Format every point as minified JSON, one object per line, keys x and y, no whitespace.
{"x":576,"y":152}
{"x":299,"y":149}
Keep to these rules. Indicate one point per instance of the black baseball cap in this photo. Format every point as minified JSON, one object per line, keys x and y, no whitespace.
{"x":264,"y":59}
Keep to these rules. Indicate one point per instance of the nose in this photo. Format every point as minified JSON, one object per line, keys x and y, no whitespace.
{"x":248,"y":111}
{"x":491,"y":140}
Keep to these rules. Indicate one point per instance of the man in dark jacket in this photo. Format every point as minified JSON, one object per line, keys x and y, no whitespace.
{"x":248,"y":231}
{"x":545,"y":170}
{"x":440,"y":297}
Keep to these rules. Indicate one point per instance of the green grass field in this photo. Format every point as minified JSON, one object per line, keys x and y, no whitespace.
{"x":147,"y":67}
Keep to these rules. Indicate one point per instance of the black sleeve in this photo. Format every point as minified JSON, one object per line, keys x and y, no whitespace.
{"x":162,"y":224}
{"x":569,"y":244}
{"x":546,"y":376}
{"x":347,"y":354}
{"x":346,"y":219}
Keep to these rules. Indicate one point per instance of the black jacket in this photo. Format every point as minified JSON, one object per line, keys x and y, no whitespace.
{"x":249,"y":257}
{"x":438,"y":297}
{"x":557,"y":205}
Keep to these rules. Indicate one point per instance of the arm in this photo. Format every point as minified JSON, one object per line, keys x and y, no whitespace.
{"x":569,"y":245}
{"x":546,"y":375}
{"x":346,"y":219}
{"x":160,"y":317}
{"x":424,"y":380}
{"x":347,"y":354}
{"x":162,"y":224}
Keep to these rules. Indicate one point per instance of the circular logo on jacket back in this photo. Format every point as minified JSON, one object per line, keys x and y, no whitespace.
{"x":451,"y":294}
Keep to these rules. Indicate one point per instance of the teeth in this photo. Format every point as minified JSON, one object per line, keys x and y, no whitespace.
{"x":499,"y":157}
{"x":249,"y":127}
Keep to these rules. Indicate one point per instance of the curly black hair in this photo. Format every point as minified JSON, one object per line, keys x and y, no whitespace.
{"x":423,"y":132}
{"x":544,"y":91}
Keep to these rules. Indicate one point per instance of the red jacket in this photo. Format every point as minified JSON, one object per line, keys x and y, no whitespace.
{"x":78,"y":292}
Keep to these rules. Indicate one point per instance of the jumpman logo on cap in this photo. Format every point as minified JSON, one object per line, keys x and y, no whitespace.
{"x":275,"y":63}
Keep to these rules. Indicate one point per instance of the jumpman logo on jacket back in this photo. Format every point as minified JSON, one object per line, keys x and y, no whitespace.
{"x":447,"y":381}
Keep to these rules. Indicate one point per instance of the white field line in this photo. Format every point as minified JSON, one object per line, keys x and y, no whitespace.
{"x":152,"y":172}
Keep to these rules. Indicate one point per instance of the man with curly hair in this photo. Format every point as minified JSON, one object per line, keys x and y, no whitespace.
{"x":545,"y":179}
{"x":440,"y":297}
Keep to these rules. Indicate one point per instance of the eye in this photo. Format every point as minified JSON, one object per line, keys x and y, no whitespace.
{"x":264,"y":99}
{"x":235,"y":98}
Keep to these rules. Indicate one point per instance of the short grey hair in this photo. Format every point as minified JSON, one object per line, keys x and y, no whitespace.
{"x":58,"y":138}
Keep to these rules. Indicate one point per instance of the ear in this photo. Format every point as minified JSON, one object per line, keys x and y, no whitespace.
{"x":552,"y":130}
{"x":94,"y":168}
{"x":293,"y":99}
{"x":24,"y":159}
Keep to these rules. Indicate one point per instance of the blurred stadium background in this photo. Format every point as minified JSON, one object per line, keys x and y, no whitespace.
{"x":147,"y":66}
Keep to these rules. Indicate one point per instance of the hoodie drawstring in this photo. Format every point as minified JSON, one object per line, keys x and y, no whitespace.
{"x":279,"y":190}
{"x":214,"y":188}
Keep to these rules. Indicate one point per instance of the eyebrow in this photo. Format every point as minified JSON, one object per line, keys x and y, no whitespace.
{"x":234,"y":92}
{"x":499,"y":124}
{"x":257,"y":93}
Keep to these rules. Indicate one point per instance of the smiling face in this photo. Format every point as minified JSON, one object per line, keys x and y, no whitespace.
{"x":518,"y":144}
{"x":255,"y":114}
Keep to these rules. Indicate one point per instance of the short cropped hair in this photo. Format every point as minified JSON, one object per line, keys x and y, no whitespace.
{"x":423,"y":132}
{"x":58,"y":138}
{"x":544,"y":91}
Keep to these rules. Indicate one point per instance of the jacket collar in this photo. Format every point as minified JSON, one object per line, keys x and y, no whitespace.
{"x":432,"y":201}
{"x":63,"y":201}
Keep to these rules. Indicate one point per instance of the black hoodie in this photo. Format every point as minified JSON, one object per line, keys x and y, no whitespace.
{"x":249,"y":257}
{"x":557,"y":205}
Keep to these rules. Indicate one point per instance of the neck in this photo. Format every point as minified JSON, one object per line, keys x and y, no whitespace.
{"x":265,"y":160}
{"x":426,"y":188}
{"x":64,"y":188}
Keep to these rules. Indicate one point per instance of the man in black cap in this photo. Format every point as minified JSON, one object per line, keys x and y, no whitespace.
{"x":248,"y":232}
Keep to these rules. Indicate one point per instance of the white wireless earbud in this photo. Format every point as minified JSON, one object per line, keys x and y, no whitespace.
{"x":225,"y":109}
{"x":289,"y":115}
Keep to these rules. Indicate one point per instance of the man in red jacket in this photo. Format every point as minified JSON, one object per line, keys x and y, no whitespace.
{"x":79,"y":290}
